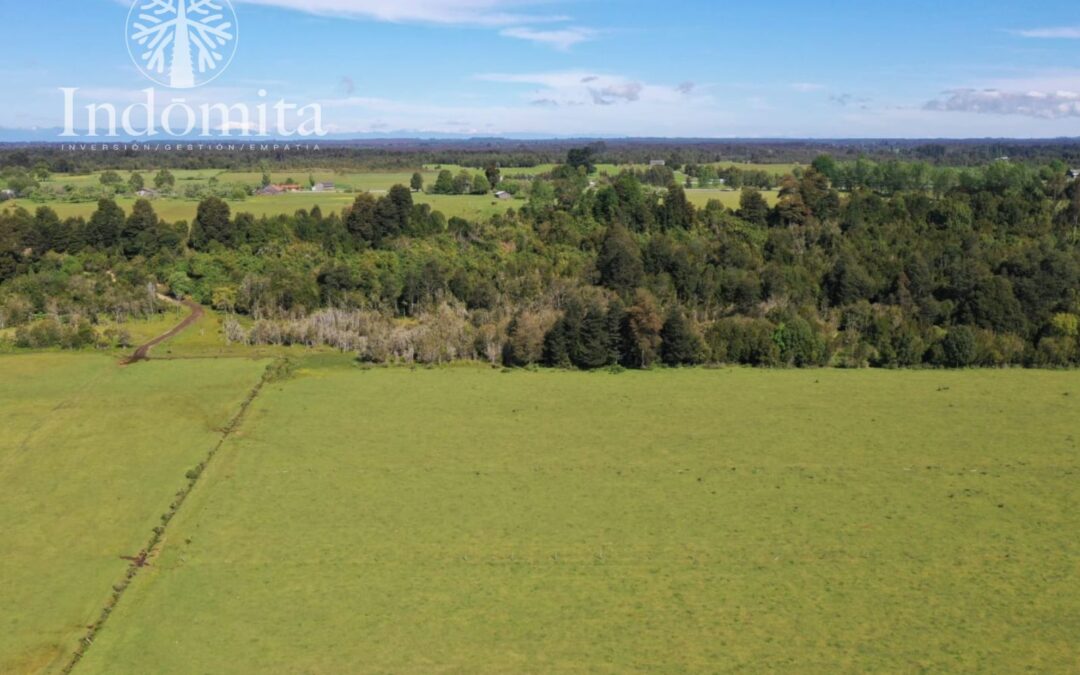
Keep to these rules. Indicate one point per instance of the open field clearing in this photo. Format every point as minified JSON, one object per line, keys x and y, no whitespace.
{"x":343,"y":180}
{"x":183,"y":177}
{"x":463,"y":206}
{"x":171,"y":209}
{"x":91,"y":455}
{"x":363,"y":180}
{"x":729,"y":198}
{"x":467,"y":520}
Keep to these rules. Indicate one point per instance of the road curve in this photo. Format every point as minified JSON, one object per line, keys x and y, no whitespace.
{"x":142,"y":353}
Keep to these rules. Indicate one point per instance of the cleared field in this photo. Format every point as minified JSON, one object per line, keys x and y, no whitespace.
{"x":464,"y":206}
{"x":466,"y":520}
{"x":183,"y":178}
{"x":343,"y":180}
{"x":91,"y":455}
{"x":729,"y":198}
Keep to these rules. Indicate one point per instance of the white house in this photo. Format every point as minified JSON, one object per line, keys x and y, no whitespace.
{"x":323,"y":187}
{"x":147,"y":194}
{"x":1074,"y":173}
{"x":7,"y":194}
{"x":502,"y":194}
{"x":658,"y":162}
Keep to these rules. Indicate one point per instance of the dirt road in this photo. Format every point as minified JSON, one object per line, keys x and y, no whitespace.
{"x":142,"y":353}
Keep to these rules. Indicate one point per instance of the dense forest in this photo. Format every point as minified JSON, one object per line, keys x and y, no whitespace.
{"x":860,"y":263}
{"x":478,"y":153}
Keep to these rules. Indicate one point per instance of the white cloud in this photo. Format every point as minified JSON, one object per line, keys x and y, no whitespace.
{"x":557,"y":104}
{"x":1047,"y":105}
{"x":807,"y":87}
{"x":1049,"y":95}
{"x":586,"y":88}
{"x":502,"y":14}
{"x":465,"y":12}
{"x":496,"y":13}
{"x":559,"y":38}
{"x":1054,"y":33}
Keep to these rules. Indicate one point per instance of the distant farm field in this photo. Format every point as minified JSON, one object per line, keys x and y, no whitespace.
{"x":462,"y":206}
{"x":91,"y":455}
{"x":729,"y":198}
{"x":347,"y":184}
{"x":174,"y":209}
{"x":467,"y":520}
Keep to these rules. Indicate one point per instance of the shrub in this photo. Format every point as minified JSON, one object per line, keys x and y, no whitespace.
{"x":958,"y":349}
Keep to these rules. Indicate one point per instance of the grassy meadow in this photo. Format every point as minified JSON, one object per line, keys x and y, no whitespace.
{"x":91,"y":455}
{"x":470,"y":520}
{"x":463,"y":206}
{"x":176,"y":209}
{"x":475,"y":207}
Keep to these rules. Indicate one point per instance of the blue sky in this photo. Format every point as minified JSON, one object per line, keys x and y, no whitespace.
{"x":787,"y":68}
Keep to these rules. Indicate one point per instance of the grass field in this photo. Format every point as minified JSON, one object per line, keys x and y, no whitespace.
{"x":467,"y":206}
{"x":172,"y":209}
{"x":729,"y":198}
{"x":91,"y":455}
{"x":467,"y":520}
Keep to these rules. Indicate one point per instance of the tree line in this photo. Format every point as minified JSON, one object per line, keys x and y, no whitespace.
{"x":594,"y":271}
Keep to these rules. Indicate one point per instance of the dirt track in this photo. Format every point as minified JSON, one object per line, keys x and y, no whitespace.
{"x":142,"y":353}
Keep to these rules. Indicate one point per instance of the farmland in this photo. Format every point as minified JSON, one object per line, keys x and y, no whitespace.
{"x":396,"y":520}
{"x":178,"y":207}
{"x":90,"y":457}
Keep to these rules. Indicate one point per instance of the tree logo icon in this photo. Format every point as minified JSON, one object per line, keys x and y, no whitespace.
{"x":182,"y":43}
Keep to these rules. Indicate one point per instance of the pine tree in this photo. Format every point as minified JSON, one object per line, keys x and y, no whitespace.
{"x":139,"y":225}
{"x":557,"y":346}
{"x":619,"y":262}
{"x":681,"y":345}
{"x":594,"y":345}
{"x":212,"y":223}
{"x":103,"y":229}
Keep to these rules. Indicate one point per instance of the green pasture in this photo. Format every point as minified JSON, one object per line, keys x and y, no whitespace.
{"x":175,"y":209}
{"x":469,"y":520}
{"x":347,"y":183}
{"x":91,"y":455}
{"x":343,"y":180}
{"x":463,"y":206}
{"x":184,"y":177}
{"x":729,"y":198}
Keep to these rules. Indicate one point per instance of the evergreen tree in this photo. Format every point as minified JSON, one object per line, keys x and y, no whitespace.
{"x":594,"y":345}
{"x":557,"y":346}
{"x":681,"y":345}
{"x":360,"y":219}
{"x":619,"y":262}
{"x":103,"y":229}
{"x":141,"y":224}
{"x":676,"y":212}
{"x":493,"y":174}
{"x":753,"y":208}
{"x":444,"y":184}
{"x":211,"y":224}
{"x":958,"y":349}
